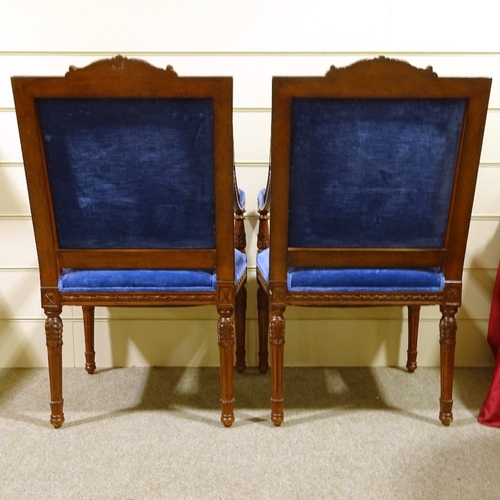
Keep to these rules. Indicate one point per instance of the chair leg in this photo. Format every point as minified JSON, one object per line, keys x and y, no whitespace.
{"x":225,"y":329}
{"x":240,"y":320}
{"x":263,"y":314}
{"x":88,"y":328}
{"x":447,"y":342}
{"x":413,"y":319}
{"x":53,"y":334}
{"x":277,"y":342}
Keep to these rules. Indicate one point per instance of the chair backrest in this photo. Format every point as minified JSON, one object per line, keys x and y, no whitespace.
{"x":374,"y":165}
{"x":129,"y":166}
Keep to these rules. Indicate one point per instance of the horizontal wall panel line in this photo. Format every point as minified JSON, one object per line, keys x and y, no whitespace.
{"x":69,"y":319}
{"x":486,"y":217}
{"x":375,"y":318}
{"x":15,"y":217}
{"x":252,"y":110}
{"x":243,"y":164}
{"x":243,"y":53}
{"x":235,"y":110}
{"x":246,"y":164}
{"x":4,"y":269}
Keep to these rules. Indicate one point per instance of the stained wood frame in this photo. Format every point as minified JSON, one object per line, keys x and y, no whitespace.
{"x":118,"y":78}
{"x":379,"y":78}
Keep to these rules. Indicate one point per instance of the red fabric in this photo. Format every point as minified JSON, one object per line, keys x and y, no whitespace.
{"x":489,"y":413}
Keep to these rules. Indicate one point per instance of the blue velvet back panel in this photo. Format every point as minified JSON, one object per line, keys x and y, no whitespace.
{"x":131,"y":173}
{"x":372,"y":172}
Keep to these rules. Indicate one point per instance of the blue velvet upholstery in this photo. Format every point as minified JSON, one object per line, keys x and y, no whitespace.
{"x":97,"y":152}
{"x":241,"y":197}
{"x":356,"y":280}
{"x":379,"y":171}
{"x":145,"y":280}
{"x":261,"y":198}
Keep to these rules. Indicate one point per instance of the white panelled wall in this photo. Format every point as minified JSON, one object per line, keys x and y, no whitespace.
{"x":251,"y":41}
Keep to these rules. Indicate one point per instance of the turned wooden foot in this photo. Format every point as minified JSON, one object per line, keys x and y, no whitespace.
{"x":445,"y":413}
{"x":56,"y":413}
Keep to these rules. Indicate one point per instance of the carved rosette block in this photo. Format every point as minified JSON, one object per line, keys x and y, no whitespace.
{"x":453,"y":293}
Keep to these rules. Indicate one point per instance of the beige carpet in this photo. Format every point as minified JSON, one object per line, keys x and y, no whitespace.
{"x":155,"y":433}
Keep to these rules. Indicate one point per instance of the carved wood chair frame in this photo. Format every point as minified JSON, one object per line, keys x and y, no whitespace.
{"x":380,"y":78}
{"x":118,"y":78}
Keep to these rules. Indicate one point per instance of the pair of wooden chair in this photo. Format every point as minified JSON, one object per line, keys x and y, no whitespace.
{"x":134,"y":200}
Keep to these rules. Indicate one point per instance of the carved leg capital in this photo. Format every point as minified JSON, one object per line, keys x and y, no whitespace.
{"x":263,"y":238}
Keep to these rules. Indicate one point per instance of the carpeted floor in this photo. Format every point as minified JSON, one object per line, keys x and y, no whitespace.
{"x":349,"y":433}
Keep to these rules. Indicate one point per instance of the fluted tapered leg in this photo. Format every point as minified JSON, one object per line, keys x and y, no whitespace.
{"x":447,"y":341}
{"x":53,"y":334}
{"x":413,"y":320}
{"x":277,"y":342}
{"x":225,"y":329}
{"x":263,"y":320}
{"x":88,"y":329}
{"x":240,"y":320}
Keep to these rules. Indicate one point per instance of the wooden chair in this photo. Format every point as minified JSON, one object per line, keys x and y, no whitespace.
{"x":133,"y":195}
{"x":372,"y":178}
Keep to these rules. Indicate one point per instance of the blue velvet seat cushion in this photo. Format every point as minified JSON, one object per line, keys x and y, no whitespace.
{"x":145,"y":280}
{"x":356,"y":280}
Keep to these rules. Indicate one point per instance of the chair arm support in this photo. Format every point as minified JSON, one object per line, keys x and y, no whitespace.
{"x":263,"y":207}
{"x":240,"y":241}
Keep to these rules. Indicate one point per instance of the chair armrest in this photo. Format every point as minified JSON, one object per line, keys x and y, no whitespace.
{"x":264,"y":196}
{"x":263,"y":207}
{"x":240,"y":241}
